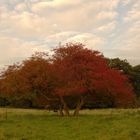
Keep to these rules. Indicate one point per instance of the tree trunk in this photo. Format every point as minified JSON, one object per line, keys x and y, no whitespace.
{"x":78,"y":107}
{"x":61,"y":110}
{"x":66,"y":109}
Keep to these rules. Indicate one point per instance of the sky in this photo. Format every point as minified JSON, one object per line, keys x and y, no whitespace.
{"x":109,"y":26}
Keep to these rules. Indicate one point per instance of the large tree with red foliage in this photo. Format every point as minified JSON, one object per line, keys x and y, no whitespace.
{"x":82,"y":72}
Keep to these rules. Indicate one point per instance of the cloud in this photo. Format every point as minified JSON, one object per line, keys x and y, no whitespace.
{"x":25,"y":24}
{"x":60,"y":37}
{"x":69,"y":15}
{"x":43,"y":5}
{"x":134,"y":13}
{"x":110,"y":26}
{"x":21,"y":7}
{"x":125,"y":2}
{"x":106,"y":15}
{"x":90,"y":40}
{"x":37,"y":18}
{"x":107,"y":27}
{"x":14,"y":50}
{"x":126,"y":43}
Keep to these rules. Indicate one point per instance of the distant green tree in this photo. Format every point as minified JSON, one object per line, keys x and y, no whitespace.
{"x":135,"y":79}
{"x":133,"y":72}
{"x":121,"y":65}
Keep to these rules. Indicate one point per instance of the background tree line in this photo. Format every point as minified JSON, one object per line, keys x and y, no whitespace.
{"x":73,"y":77}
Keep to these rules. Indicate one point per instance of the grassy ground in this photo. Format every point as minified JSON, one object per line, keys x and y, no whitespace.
{"x":107,"y":124}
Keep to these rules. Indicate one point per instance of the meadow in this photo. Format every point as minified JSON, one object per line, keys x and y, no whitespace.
{"x":100,"y":124}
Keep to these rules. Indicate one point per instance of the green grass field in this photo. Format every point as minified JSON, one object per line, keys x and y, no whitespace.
{"x":104,"y":124}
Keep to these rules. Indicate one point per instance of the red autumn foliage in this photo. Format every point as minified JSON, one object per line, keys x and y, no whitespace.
{"x":72,"y":70}
{"x":29,"y":79}
{"x":80,"y":71}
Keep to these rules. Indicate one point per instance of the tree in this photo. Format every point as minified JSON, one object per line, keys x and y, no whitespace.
{"x":30,"y":80}
{"x":80,"y":72}
{"x":121,"y":65}
{"x":133,"y":72}
{"x":135,"y":79}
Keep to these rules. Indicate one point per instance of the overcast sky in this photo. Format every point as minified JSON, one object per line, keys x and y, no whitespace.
{"x":110,"y":26}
